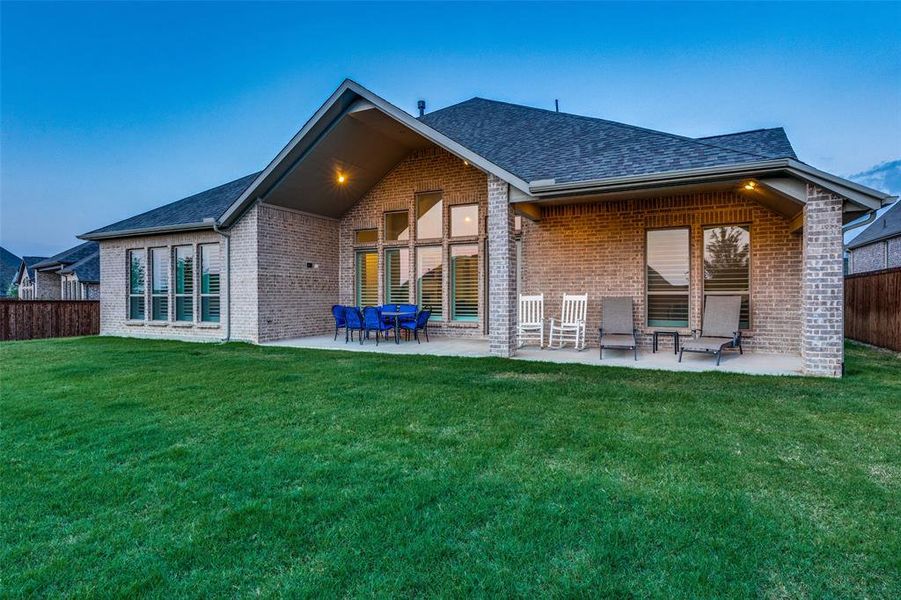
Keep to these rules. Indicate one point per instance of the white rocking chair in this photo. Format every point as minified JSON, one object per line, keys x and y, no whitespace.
{"x":530,"y":327}
{"x":571,"y":327}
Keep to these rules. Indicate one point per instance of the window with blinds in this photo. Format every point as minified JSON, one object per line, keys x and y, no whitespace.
{"x":428,"y":280}
{"x":464,"y":285}
{"x":429,"y":212}
{"x":136,"y":277}
{"x":367,"y":288}
{"x":667,"y":277}
{"x":209,"y":282}
{"x":727,"y":252}
{"x":397,"y":276}
{"x":184,"y":283}
{"x":159,"y":284}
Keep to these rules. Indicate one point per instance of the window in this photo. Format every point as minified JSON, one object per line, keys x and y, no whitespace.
{"x":136,"y":273}
{"x":367,"y":292}
{"x":727,"y":271}
{"x":429,"y":209}
{"x":397,"y":226}
{"x":667,"y":278}
{"x":159,"y":284}
{"x":428,"y":279}
{"x":464,"y":287}
{"x":366,"y":236}
{"x":184,"y":283}
{"x":397,"y":276}
{"x":209,"y":282}
{"x":464,"y":220}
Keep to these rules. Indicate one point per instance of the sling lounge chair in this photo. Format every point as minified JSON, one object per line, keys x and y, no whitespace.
{"x":719,"y":329}
{"x":617,"y":325}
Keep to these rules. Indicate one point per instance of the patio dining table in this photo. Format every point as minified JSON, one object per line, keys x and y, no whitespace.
{"x":397,"y":314}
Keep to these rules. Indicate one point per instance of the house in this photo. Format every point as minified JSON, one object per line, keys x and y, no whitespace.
{"x":24,"y":278}
{"x":9,"y":264}
{"x":879,"y":245}
{"x":72,"y":274}
{"x":462,"y":208}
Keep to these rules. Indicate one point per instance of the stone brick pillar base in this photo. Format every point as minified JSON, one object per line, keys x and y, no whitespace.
{"x":822,"y":280}
{"x":501,"y":270}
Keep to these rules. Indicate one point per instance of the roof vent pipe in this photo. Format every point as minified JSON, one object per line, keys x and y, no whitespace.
{"x":557,"y":104}
{"x":421,"y":106}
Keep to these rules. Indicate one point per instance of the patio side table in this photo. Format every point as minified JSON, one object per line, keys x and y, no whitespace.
{"x":672,"y":334}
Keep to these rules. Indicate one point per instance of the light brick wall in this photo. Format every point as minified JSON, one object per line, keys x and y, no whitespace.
{"x":47,"y":286}
{"x":426,"y":170}
{"x":298,"y":273}
{"x":243,"y":237}
{"x":868,"y":258}
{"x":599,"y":249}
{"x":822,"y":323}
{"x":114,"y":290}
{"x":502,"y":270}
{"x":894,"y":252}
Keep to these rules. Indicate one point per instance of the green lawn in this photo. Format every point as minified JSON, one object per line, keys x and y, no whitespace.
{"x":173,"y":469}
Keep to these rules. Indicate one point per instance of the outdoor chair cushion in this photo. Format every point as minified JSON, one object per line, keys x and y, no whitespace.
{"x":706,"y":344}
{"x":618,"y":340}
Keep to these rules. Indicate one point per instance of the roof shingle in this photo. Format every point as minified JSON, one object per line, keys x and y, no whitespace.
{"x":886,"y":226}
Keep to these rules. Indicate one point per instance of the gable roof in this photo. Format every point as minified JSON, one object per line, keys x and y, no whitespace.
{"x":888,"y":225}
{"x":540,"y":153}
{"x":69,"y":256}
{"x":187,"y":213}
{"x":538,"y":144}
{"x":27,"y":266}
{"x":9,"y":266}
{"x":772,"y":143}
{"x":87,"y":269}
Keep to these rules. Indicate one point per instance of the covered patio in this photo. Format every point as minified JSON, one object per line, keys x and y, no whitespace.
{"x":751,"y":363}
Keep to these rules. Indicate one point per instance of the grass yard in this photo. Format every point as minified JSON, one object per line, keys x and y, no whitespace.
{"x":170,"y":469}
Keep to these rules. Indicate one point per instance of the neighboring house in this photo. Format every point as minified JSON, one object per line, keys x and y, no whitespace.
{"x":9,"y":264}
{"x":879,"y":245}
{"x":461,"y":208}
{"x":25,"y":276}
{"x":70,"y":275}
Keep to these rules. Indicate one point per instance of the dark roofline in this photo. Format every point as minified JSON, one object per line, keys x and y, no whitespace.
{"x":210,"y":223}
{"x":857,"y":242}
{"x":721,"y":135}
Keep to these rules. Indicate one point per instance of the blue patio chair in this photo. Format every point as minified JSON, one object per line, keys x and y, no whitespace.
{"x":389,"y":308}
{"x":353,"y":321}
{"x":372,"y":321}
{"x":340,"y":322}
{"x":420,"y":323}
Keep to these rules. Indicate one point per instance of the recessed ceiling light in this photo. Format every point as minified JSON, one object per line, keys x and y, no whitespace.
{"x":750,"y":185}
{"x":341,"y":178}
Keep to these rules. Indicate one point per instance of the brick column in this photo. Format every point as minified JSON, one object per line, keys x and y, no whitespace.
{"x":822,"y":280}
{"x":501,"y":270}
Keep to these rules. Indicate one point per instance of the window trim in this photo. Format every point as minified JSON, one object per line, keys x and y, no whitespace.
{"x":387,"y":273}
{"x":747,"y":225}
{"x":443,"y":261}
{"x":175,"y":294}
{"x":647,"y":323}
{"x":366,"y":244}
{"x":165,"y":295}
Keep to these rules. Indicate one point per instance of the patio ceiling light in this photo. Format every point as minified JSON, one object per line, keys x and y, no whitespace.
{"x":750,"y":185}
{"x":342,"y":178}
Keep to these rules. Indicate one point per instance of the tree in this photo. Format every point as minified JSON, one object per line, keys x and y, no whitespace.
{"x":725,"y":252}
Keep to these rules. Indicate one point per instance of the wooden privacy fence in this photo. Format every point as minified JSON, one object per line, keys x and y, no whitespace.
{"x":873,"y":308}
{"x":33,"y":319}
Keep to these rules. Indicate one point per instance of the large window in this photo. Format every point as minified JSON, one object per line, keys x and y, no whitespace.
{"x":727,"y":271}
{"x":159,"y":284}
{"x":367,"y":280}
{"x":397,"y":276}
{"x":209,"y":282}
{"x":136,"y":276}
{"x":428,"y":279}
{"x":429,"y":211}
{"x":397,"y":226}
{"x":667,"y":278}
{"x":464,"y":220}
{"x":184,"y":283}
{"x":464,"y":286}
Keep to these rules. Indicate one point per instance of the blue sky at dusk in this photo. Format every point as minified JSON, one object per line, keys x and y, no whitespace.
{"x":107,"y":110}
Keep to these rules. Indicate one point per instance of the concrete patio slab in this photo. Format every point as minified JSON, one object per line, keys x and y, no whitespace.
{"x":750,"y":363}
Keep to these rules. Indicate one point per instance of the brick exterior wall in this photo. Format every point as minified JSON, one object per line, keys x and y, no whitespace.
{"x":501,"y":270}
{"x":298,"y":273}
{"x":114,"y":290}
{"x":599,"y":249}
{"x":822,"y":326}
{"x":426,"y":170}
{"x":884,"y":254}
{"x":47,"y":285}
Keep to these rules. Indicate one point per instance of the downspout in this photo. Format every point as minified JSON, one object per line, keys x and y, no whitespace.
{"x":871,"y":216}
{"x":228,"y":281}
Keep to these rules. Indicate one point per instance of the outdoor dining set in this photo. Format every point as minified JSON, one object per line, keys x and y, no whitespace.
{"x":382,"y":321}
{"x":719,"y":328}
